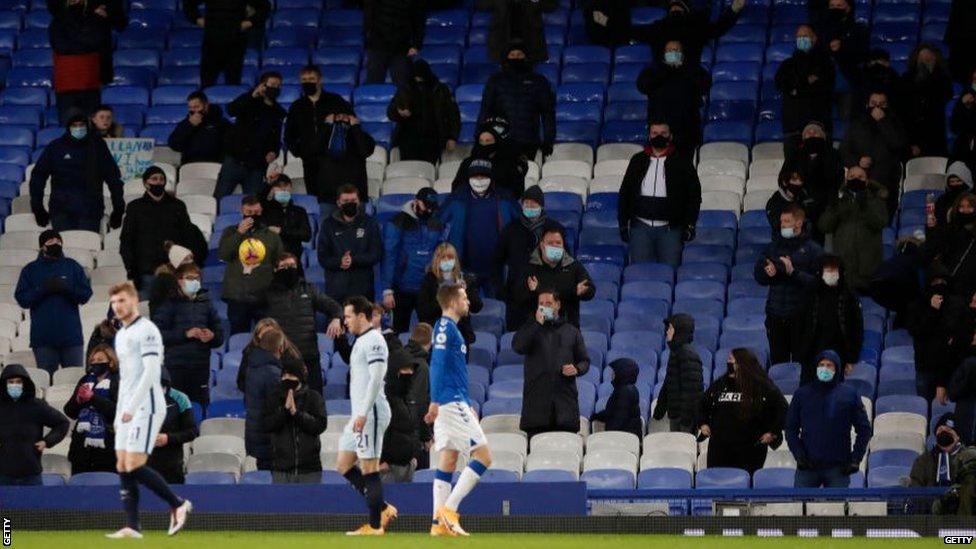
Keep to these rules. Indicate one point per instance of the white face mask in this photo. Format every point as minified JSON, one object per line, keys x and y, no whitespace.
{"x":479,"y":185}
{"x":831,"y":278}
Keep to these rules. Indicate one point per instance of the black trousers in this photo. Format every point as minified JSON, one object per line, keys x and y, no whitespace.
{"x":193,"y":380}
{"x":783,"y":340}
{"x":406,"y":304}
{"x":428,"y":150}
{"x":310,"y":171}
{"x":83,"y":101}
{"x":378,"y":62}
{"x":314,"y":375}
{"x":222,"y":53}
{"x":748,"y":456}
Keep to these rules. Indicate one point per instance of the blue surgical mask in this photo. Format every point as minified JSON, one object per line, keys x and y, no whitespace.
{"x":191,"y":286}
{"x":804,"y":43}
{"x":447,"y":265}
{"x":531,"y":213}
{"x":548,"y":313}
{"x":79,"y":132}
{"x":674,"y":57}
{"x":554,"y":253}
{"x":825,"y":374}
{"x":15,"y":390}
{"x":282,"y":197}
{"x":786,"y":232}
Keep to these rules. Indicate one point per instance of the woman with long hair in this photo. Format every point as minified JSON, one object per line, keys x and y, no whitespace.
{"x":445,"y":269}
{"x":93,"y":406}
{"x":743,"y":414}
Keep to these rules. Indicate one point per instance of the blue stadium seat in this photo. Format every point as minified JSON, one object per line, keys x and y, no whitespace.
{"x":748,"y":51}
{"x":36,"y":97}
{"x":740,"y":132}
{"x":664,"y":478}
{"x":210,"y":478}
{"x":226,"y":408}
{"x":10,"y":20}
{"x":144,"y":77}
{"x":256,"y":477}
{"x":427,"y":476}
{"x":33,"y":58}
{"x":624,"y":132}
{"x":580,"y":92}
{"x":498,"y":406}
{"x":888,"y":32}
{"x":548,"y":475}
{"x":37,"y":20}
{"x":589,"y":73}
{"x":26,"y":116}
{"x":722,"y":477}
{"x":150,"y":19}
{"x":699,"y":289}
{"x":586,"y":55}
{"x":171,"y":95}
{"x":373,"y":93}
{"x":29,"y":76}
{"x":279,"y":57}
{"x":608,"y":479}
{"x":94,"y":479}
{"x":887,"y":477}
{"x":744,"y":33}
{"x":125,"y":95}
{"x":715,"y":272}
{"x":776,"y":477}
{"x":135,"y":37}
{"x":736,"y":72}
{"x":891,"y":457}
{"x":499,"y":475}
{"x":224,"y":94}
{"x":901,"y":403}
{"x":33,"y":39}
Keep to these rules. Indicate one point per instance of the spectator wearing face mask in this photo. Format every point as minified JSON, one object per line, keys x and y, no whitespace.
{"x":742,"y":414}
{"x":179,"y":428}
{"x":693,"y":28}
{"x":262,"y":368}
{"x":164,"y":285}
{"x":876,"y":142}
{"x":394,"y":33}
{"x":550,"y":266}
{"x":963,"y":124}
{"x":401,"y":443}
{"x":202,"y":135}
{"x":294,"y":417}
{"x":819,"y":164}
{"x":78,"y":164}
{"x":508,"y":166}
{"x":474,"y":218}
{"x":792,"y":191}
{"x":350,"y":245}
{"x":941,"y":465}
{"x":283,"y":216}
{"x":787,"y":267}
{"x":843,"y":36}
{"x":92,"y":405}
{"x":953,"y":246}
{"x":445,"y":269}
{"x":927,"y":89}
{"x":959,"y":38}
{"x":255,"y":138}
{"x":103,"y":123}
{"x":251,"y":251}
{"x":23,"y":418}
{"x":877,"y":74}
{"x":409,"y":240}
{"x":190,"y":328}
{"x":962,"y":386}
{"x":675,"y":89}
{"x":959,"y":180}
{"x":342,"y":157}
{"x":151,"y":220}
{"x":427,"y":117}
{"x":806,"y":80}
{"x":225,"y":26}
{"x":818,"y":428}
{"x":681,"y":392}
{"x":660,"y":198}
{"x":932,"y":321}
{"x":517,"y":20}
{"x":856,"y":220}
{"x":832,"y":319}
{"x":524,"y":98}
{"x":53,"y":287}
{"x":622,"y":411}
{"x":555,"y":355}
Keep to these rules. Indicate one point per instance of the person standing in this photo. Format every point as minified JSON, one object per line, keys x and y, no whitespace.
{"x":819,"y":166}
{"x":225,"y":25}
{"x":179,"y":428}
{"x":93,"y":405}
{"x":427,"y":116}
{"x":394,"y":32}
{"x":927,"y":90}
{"x":844,"y":36}
{"x":445,"y":270}
{"x":818,"y":428}
{"x":513,"y":20}
{"x":959,"y":38}
{"x":283,"y":216}
{"x":53,"y":287}
{"x":963,"y":124}
{"x":350,"y":245}
{"x":508,"y":166}
{"x":202,"y":135}
{"x":831,"y":319}
{"x":877,"y":142}
{"x":555,"y":355}
{"x":681,"y":392}
{"x":401,"y":443}
{"x":23,"y":418}
{"x":792,"y":191}
{"x":260,"y":374}
{"x":660,"y":198}
{"x":622,"y":411}
{"x":551,"y":266}
{"x":676,"y":89}
{"x":691,"y":27}
{"x":959,"y":180}
{"x":294,"y":415}
{"x":806,"y":80}
{"x":932,"y":322}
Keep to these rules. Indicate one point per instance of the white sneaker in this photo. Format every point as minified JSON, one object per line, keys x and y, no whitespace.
{"x":125,"y":533}
{"x":177,"y":517}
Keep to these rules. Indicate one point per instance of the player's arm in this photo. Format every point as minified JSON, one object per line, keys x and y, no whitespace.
{"x":437,"y":357}
{"x":151,"y":349}
{"x":376,"y":357}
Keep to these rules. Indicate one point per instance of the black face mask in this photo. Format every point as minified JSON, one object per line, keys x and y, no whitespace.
{"x":965,"y":218}
{"x":517,"y":65}
{"x":939,"y":289}
{"x":815,"y":145}
{"x":837,"y":14}
{"x":272,"y":93}
{"x":487,"y":150}
{"x":287,"y":277}
{"x":795,"y":190}
{"x":156,"y":190}
{"x":945,"y":439}
{"x":309,"y":88}
{"x":289,"y":385}
{"x":98,"y":368}
{"x":857,"y":185}
{"x":659,"y":142}
{"x":730,"y":367}
{"x":349,"y":209}
{"x":53,"y":250}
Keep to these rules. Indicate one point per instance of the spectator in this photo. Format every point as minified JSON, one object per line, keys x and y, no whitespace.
{"x":876,"y":142}
{"x":787,"y":266}
{"x":53,"y":287}
{"x":251,"y":251}
{"x":815,"y":158}
{"x":743,"y":414}
{"x":927,"y":89}
{"x":941,"y":465}
{"x":475,"y":216}
{"x":806,"y":80}
{"x":164,"y":285}
{"x":225,"y":26}
{"x":518,"y":241}
{"x":845,"y":37}
{"x":418,"y":347}
{"x":92,"y":406}
{"x":660,"y":198}
{"x":959,"y":38}
{"x":401,"y":443}
{"x":179,"y":428}
{"x":349,"y":246}
{"x":962,"y":391}
{"x":517,"y":21}
{"x":524,"y":98}
{"x":427,"y":117}
{"x":856,"y":219}
{"x":103,"y":123}
{"x":255,"y":138}
{"x":831,"y":319}
{"x":551,"y":267}
{"x":792,"y":192}
{"x":342,"y":158}
{"x":607,"y":21}
{"x":963,"y":124}
{"x":77,"y":164}
{"x":263,"y":368}
{"x":676,"y":89}
{"x":103,"y":334}
{"x":508,"y":166}
{"x":555,"y":355}
{"x":932,"y":322}
{"x":959,"y":180}
{"x":445,"y":269}
{"x":409,"y":239}
{"x":23,"y":418}
{"x":877,"y":74}
{"x":294,"y":417}
{"x":284,"y":217}
{"x":622,"y":411}
{"x":305,"y":116}
{"x":293,"y":302}
{"x":954,"y":245}
{"x":818,"y":428}
{"x":190,"y":327}
{"x":202,"y":135}
{"x":152,"y":220}
{"x":896,"y":282}
{"x":681,"y":392}
{"x":394,"y":32}
{"x":693,"y":28}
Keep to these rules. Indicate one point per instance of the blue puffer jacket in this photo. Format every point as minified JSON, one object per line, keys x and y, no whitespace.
{"x":786,"y":291}
{"x":55,"y":321}
{"x":819,"y":421}
{"x":263,"y":377}
{"x":454,"y":215}
{"x":78,"y":168}
{"x":174,"y":317}
{"x":408,"y":245}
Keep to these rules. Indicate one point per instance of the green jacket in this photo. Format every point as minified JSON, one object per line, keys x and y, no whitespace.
{"x":248,"y":287}
{"x":856,"y":222}
{"x":925,"y":468}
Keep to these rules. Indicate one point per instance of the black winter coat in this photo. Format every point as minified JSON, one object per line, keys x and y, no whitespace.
{"x":294,"y":223}
{"x":963,"y":124}
{"x":348,"y":168}
{"x":256,"y":131}
{"x":683,"y":190}
{"x":148,"y":224}
{"x":854,"y":42}
{"x":80,"y":25}
{"x":563,"y":277}
{"x":180,"y":427}
{"x":508,"y":169}
{"x":205,"y":142}
{"x":419,"y":397}
{"x":22,"y":424}
{"x":962,"y":391}
{"x":623,"y":412}
{"x":547,"y":393}
{"x":361,"y":237}
{"x":517,"y":20}
{"x":780,"y":202}
{"x":401,"y":442}
{"x":681,"y":393}
{"x":923,"y":110}
{"x":224,"y":17}
{"x":77,"y":168}
{"x":393,"y":26}
{"x":676,"y":96}
{"x":736,"y":424}
{"x":786,"y":291}
{"x":932,"y":333}
{"x":261,"y":375}
{"x":959,"y":37}
{"x":693,"y":30}
{"x":295,"y":444}
{"x":294,"y":308}
{"x":304,"y":123}
{"x":885,"y":142}
{"x":429,"y":311}
{"x":954,"y":247}
{"x":527,"y":101}
{"x":822,"y":171}
{"x":434,"y":115}
{"x":832,"y":319}
{"x":516,"y":243}
{"x":805,"y":101}
{"x":87,"y":459}
{"x":178,"y":314}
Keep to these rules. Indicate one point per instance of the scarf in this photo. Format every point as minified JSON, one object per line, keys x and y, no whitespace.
{"x":337,"y":140}
{"x":90,"y":421}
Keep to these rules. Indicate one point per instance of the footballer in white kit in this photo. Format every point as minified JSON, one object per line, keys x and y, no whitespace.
{"x":139,"y":347}
{"x":367,"y":372}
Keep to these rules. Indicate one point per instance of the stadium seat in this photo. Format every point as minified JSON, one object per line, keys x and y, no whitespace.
{"x":722,"y":477}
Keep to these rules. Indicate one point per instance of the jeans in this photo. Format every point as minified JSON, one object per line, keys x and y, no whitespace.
{"x":655,"y":244}
{"x":64,"y":221}
{"x":30,"y":480}
{"x":49,"y":358}
{"x":831,"y":477}
{"x":241,"y":315}
{"x":233,"y":172}
{"x":377,"y":63}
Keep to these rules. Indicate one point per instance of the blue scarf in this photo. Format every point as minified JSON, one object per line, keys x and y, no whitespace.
{"x":90,"y":421}
{"x":337,"y":141}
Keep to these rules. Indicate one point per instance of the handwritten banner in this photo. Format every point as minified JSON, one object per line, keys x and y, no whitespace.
{"x":132,"y":154}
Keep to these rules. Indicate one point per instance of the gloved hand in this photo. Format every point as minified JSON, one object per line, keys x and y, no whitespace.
{"x":659,"y":412}
{"x":546,"y":150}
{"x":55,"y":285}
{"x":625,"y":233}
{"x":115,"y":220}
{"x":688,"y":234}
{"x":41,"y":216}
{"x":802,"y":464}
{"x":852,"y":468}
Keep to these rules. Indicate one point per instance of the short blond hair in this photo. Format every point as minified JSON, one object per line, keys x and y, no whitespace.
{"x":126,"y":287}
